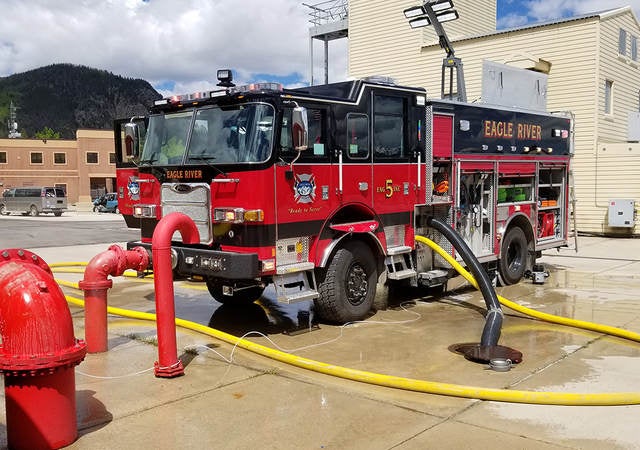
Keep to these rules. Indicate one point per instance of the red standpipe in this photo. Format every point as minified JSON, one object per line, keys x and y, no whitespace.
{"x":114,"y":261}
{"x":38,"y":354}
{"x":168,"y":364}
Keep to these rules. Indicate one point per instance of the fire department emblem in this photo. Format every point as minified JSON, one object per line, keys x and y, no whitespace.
{"x":304,"y":188}
{"x":133,"y":188}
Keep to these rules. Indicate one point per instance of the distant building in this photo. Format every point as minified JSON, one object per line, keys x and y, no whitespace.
{"x":593,"y":64}
{"x":84,"y":167}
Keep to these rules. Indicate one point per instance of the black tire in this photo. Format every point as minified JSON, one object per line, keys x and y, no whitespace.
{"x":244,"y":296}
{"x":347,"y":287}
{"x":95,"y":208}
{"x":3,"y":210}
{"x":57,"y":213}
{"x":513,"y":256}
{"x":33,"y":211}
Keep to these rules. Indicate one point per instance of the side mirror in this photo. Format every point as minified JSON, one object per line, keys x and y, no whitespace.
{"x":299,"y":128}
{"x":132,"y":140}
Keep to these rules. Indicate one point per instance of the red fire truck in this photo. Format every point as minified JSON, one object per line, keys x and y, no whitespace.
{"x":321,"y":190}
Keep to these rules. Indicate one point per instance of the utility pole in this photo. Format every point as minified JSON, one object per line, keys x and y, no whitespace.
{"x":12,"y":125}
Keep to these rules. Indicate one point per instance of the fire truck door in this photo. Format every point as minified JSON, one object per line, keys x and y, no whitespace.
{"x":303,"y":189}
{"x":394,"y":178}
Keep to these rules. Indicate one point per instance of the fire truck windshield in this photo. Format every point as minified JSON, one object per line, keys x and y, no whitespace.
{"x":211,"y":135}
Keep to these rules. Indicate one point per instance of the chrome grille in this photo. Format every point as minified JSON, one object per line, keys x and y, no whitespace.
{"x":192,"y":199}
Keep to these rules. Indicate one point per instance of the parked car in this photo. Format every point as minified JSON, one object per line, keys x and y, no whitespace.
{"x":106,"y":203}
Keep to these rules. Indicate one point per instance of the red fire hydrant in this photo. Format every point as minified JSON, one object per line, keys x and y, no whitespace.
{"x":95,"y":284}
{"x":38,"y":354}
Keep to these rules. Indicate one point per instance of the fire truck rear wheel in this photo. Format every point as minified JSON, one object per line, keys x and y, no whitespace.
{"x":244,"y":296}
{"x":513,"y":257}
{"x":347,"y":287}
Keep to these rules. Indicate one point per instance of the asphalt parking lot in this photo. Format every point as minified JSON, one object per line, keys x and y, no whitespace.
{"x":232,"y":398}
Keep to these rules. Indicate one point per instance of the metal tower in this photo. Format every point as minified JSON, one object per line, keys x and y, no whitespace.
{"x":12,"y":125}
{"x":329,"y":20}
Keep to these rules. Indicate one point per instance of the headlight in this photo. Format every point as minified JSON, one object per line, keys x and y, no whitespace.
{"x":237,"y":215}
{"x":144,"y":211}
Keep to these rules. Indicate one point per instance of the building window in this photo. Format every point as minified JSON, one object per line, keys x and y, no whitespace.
{"x":608,"y":97}
{"x":59,"y":158}
{"x":36,"y":157}
{"x":634,"y":48}
{"x":622,"y":42}
{"x":3,"y":157}
{"x":62,"y":186}
{"x":92,"y":157}
{"x":112,"y":158}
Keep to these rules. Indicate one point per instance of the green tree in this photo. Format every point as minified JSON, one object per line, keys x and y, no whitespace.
{"x":47,"y":133}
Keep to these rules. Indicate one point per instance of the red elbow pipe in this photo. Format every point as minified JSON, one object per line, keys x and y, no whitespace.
{"x":114,"y":261}
{"x":168,"y":364}
{"x":38,"y":354}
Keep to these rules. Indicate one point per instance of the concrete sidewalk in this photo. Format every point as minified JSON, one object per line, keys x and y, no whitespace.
{"x":230,"y":398}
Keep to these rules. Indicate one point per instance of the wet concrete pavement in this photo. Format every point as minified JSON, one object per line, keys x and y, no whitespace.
{"x":230,"y":398}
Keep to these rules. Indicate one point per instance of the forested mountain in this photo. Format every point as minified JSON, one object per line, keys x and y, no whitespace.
{"x":65,"y":97}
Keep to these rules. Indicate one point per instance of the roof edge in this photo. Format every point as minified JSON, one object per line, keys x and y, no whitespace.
{"x":601,"y":15}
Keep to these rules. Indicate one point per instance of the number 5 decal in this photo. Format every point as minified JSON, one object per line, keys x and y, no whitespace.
{"x":388,"y":188}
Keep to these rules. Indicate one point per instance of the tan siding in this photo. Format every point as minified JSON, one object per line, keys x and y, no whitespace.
{"x":623,"y":72}
{"x":476,"y":17}
{"x":611,"y":170}
{"x":582,"y":53}
{"x":382,"y":43}
{"x":378,"y":29}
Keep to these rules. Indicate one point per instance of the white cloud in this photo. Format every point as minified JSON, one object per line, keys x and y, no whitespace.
{"x":182,"y":41}
{"x":512,"y":21}
{"x":542,"y":10}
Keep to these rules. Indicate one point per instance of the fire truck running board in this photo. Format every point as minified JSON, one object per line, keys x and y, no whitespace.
{"x":399,"y":263}
{"x":295,"y":287}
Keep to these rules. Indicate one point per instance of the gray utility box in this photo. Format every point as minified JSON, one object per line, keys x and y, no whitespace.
{"x":622,"y":213}
{"x":513,"y":87}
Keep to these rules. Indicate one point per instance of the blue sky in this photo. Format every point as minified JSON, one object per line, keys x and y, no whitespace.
{"x":178,"y":45}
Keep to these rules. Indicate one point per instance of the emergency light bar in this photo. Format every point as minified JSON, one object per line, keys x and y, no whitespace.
{"x":257,"y":87}
{"x":194,"y":98}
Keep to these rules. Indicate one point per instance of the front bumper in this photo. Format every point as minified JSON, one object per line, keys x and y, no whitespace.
{"x":208,"y":263}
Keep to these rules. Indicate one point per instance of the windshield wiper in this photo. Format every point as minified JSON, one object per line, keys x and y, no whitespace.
{"x":147,"y":161}
{"x":206,"y":160}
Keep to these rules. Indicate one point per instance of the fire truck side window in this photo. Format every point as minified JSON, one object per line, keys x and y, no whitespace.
{"x":316,"y":131}
{"x":388,"y":127}
{"x":358,"y":135}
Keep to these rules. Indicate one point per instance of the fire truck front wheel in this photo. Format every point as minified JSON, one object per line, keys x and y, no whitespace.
{"x":347,"y":287}
{"x":242,"y":296}
{"x":513,"y":256}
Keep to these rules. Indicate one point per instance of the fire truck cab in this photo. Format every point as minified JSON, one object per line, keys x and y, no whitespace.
{"x":321,"y":190}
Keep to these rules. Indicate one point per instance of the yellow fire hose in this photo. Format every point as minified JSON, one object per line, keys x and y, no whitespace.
{"x":428,"y":387}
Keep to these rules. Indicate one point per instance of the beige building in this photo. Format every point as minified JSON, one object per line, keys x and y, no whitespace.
{"x":84,"y":167}
{"x":593,"y":71}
